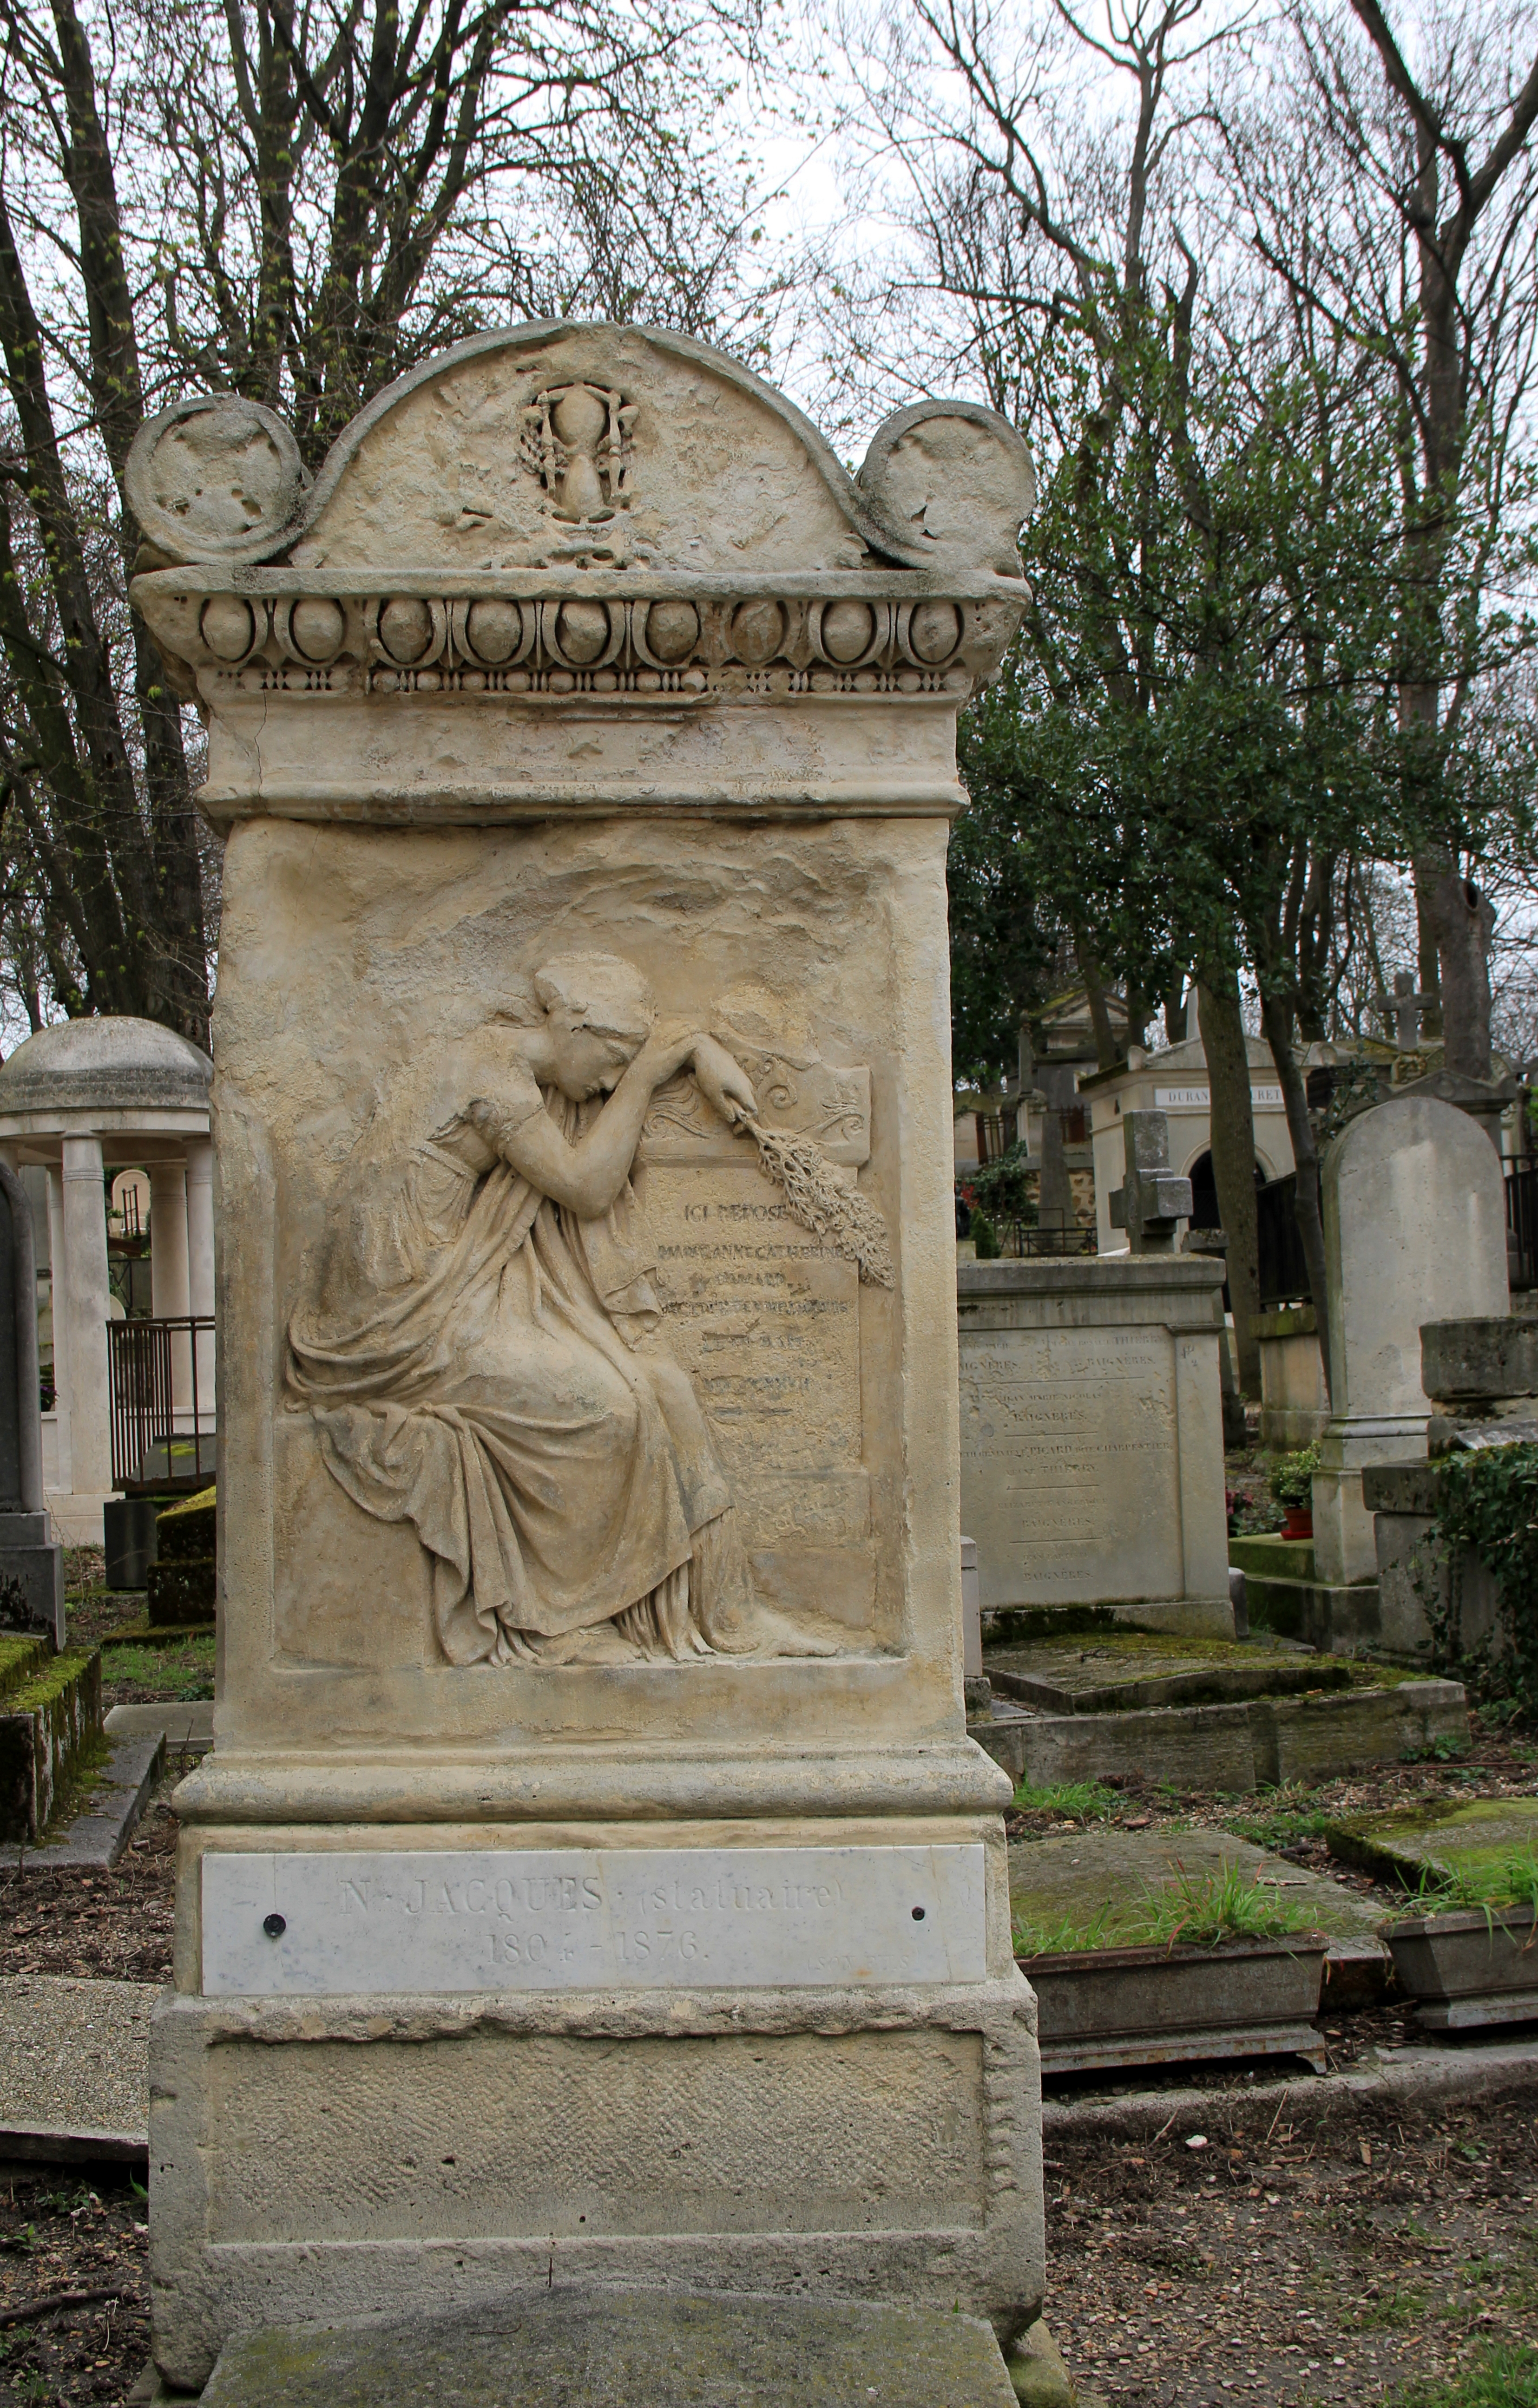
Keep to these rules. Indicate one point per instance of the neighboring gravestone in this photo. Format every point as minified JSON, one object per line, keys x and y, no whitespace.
{"x":32,"y":1563}
{"x":1414,"y":1231}
{"x":1092,"y":1437}
{"x":1153,"y":1198}
{"x":592,"y":1877}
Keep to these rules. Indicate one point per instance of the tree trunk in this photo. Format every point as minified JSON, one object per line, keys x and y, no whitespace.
{"x":1276,"y":1020}
{"x":1100,"y":1016}
{"x":1233,"y":1141}
{"x":1462,"y":921}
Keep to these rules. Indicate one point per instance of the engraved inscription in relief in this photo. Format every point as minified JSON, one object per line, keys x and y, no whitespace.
{"x":597,"y":1919}
{"x":1070,"y":1464}
{"x":491,"y":1348}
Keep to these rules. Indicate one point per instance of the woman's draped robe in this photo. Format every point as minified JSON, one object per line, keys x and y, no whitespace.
{"x":478,"y":1362}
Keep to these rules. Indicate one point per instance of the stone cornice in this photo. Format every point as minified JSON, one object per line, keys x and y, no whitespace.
{"x":553,"y":638}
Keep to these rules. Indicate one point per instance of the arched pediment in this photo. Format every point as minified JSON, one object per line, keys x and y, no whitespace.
{"x":588,"y":446}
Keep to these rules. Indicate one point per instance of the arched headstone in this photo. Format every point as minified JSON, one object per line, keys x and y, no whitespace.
{"x":1414,"y":1231}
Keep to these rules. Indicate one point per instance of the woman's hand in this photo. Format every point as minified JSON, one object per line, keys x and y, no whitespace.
{"x":722,"y":1082}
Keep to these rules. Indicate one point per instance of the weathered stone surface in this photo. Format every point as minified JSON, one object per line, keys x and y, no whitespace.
{"x":1070,"y":1877}
{"x":1125,"y":1672}
{"x":1092,"y":1437}
{"x":1267,"y":1555}
{"x":47,"y":1722}
{"x":74,"y":2057}
{"x":572,"y":2347}
{"x":1414,"y":1230}
{"x":1037,"y":2371}
{"x":1265,"y":1740}
{"x":32,"y":1569}
{"x":587,"y":1484}
{"x":1465,"y":1360}
{"x":287,"y":2128}
{"x":1467,"y":1832}
{"x":1294,"y":1401}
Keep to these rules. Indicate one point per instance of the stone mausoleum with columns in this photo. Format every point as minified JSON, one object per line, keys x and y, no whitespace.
{"x":80,"y":1101}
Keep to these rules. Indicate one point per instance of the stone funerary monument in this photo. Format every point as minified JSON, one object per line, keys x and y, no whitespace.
{"x":593,"y":1878}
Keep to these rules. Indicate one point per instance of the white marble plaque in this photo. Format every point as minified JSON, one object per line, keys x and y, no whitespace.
{"x":320,"y":1924}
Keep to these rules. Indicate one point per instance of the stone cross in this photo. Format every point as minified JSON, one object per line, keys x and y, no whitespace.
{"x":1403,"y":1010}
{"x":1153,"y":1198}
{"x":32,"y":1575}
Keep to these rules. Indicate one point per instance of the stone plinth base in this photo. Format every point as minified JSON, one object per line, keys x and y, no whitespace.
{"x":327,"y":2158}
{"x":1344,"y":1549}
{"x":554,"y":2347}
{"x":1415,"y":1585}
{"x":1294,"y":1401}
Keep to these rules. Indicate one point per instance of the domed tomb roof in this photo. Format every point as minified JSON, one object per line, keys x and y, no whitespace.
{"x":107,"y":1064}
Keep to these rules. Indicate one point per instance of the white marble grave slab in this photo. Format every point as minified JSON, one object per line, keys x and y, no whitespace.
{"x":427,"y":1920}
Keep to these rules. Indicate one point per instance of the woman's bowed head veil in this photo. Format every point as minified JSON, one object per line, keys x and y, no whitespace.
{"x":597,"y":991}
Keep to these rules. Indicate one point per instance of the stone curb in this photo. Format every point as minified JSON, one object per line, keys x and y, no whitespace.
{"x":1421,"y":2078}
{"x":185,"y":1725}
{"x":97,"y":1839}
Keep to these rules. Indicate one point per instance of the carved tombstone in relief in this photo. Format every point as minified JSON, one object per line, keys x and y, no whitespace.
{"x":481,"y":1354}
{"x":584,"y":740}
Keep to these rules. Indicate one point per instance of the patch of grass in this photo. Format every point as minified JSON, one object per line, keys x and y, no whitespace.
{"x":184,"y":1672}
{"x":1186,"y":1913}
{"x":1510,"y":1879}
{"x":1282,"y":1817}
{"x":1502,"y":2375}
{"x":1402,"y":2305}
{"x":1072,"y":1802}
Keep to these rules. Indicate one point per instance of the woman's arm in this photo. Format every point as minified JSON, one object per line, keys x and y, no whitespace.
{"x":586,"y":1177}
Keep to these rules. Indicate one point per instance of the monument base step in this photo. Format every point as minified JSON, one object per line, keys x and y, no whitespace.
{"x":1183,"y":1617}
{"x":1264,"y":1741}
{"x":1337,"y":1618}
{"x":570,"y":2347}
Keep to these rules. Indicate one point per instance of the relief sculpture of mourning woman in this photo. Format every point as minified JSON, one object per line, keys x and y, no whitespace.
{"x":479,"y":1350}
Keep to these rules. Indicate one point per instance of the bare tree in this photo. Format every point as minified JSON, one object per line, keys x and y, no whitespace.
{"x":1402,"y":202}
{"x":295,"y":203}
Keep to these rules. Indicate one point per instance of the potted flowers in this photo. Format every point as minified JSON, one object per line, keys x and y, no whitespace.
{"x":1291,"y":1485}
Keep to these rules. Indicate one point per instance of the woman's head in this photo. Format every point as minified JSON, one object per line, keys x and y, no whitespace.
{"x":598,"y":1013}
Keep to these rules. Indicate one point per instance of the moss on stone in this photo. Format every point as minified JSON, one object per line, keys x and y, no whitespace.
{"x":45,"y":1725}
{"x":21,"y":1658}
{"x":186,"y":1532}
{"x":184,"y":1590}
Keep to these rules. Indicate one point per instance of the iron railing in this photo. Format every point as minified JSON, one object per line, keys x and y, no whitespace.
{"x":1022,"y":1239}
{"x":159,"y":1437}
{"x":1522,"y":1225}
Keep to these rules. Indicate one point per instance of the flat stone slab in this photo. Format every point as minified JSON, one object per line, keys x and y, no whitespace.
{"x":74,"y":2066}
{"x":1118,"y":1674}
{"x":579,"y":2347}
{"x":119,"y":1793}
{"x":1074,"y":1875}
{"x":1466,"y":1832}
{"x":185,"y":1725}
